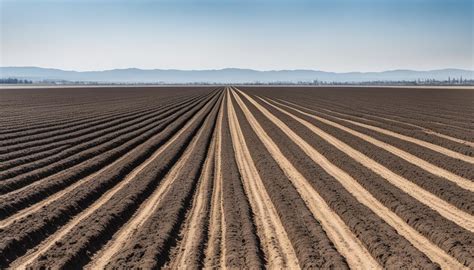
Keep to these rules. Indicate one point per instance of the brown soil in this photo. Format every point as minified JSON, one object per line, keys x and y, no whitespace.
{"x":220,"y":177}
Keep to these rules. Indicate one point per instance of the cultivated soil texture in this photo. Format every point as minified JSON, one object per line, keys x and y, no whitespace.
{"x":237,"y":177}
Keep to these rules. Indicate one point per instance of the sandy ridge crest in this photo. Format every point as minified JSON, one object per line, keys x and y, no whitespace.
{"x":215,"y":250}
{"x":22,"y":262}
{"x":191,"y":239}
{"x":363,"y":196}
{"x":426,"y":130}
{"x":148,"y":207}
{"x":345,"y":241}
{"x":277,"y":246}
{"x":444,"y":208}
{"x":458,"y":180}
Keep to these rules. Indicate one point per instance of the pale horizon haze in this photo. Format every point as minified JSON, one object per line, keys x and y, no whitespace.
{"x":339,"y":36}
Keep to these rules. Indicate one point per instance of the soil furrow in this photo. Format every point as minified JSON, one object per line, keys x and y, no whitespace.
{"x":460,"y":181}
{"x":126,"y":233}
{"x":145,"y":241}
{"x":363,"y":196}
{"x":292,"y":177}
{"x":101,"y":121}
{"x":189,"y":251}
{"x":213,"y":257}
{"x":277,"y":247}
{"x":196,"y":233}
{"x":447,"y":235}
{"x":24,"y":156}
{"x":391,"y":103}
{"x":97,"y":140}
{"x":445,"y":190}
{"x":429,"y":145}
{"x":89,"y":127}
{"x":19,"y":199}
{"x":32,"y":207}
{"x":240,"y":243}
{"x":407,"y":129}
{"x":311,"y":244}
{"x":346,"y":243}
{"x":69,"y":122}
{"x":63,"y":210}
{"x":445,"y":209}
{"x":426,"y":130}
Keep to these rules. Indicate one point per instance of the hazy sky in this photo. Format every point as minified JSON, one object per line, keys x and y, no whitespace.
{"x":331,"y":35}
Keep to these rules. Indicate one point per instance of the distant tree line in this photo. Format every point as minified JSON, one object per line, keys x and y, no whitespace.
{"x":419,"y":82}
{"x":14,"y":81}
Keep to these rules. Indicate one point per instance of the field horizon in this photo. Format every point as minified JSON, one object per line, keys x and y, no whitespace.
{"x":233,"y":75}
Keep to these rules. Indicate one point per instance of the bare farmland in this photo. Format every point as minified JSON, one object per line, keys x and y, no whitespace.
{"x":237,"y":177}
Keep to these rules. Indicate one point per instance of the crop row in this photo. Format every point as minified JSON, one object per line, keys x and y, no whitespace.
{"x":406,"y":129}
{"x":9,"y":204}
{"x":76,"y":131}
{"x":155,"y":238}
{"x":419,"y":216}
{"x":88,"y":111}
{"x":363,"y":102}
{"x":115,"y":212}
{"x":46,"y":221}
{"x":381,"y":240}
{"x":89,"y":140}
{"x":90,"y":150}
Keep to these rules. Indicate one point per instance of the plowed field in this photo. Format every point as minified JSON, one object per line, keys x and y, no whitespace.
{"x":237,"y":177}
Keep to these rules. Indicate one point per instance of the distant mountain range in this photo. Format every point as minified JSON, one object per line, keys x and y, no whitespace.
{"x":227,"y":75}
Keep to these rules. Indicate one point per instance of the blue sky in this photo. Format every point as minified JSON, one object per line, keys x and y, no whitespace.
{"x":330,"y":35}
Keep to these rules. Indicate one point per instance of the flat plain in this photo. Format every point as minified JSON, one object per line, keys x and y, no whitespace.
{"x":237,"y":177}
